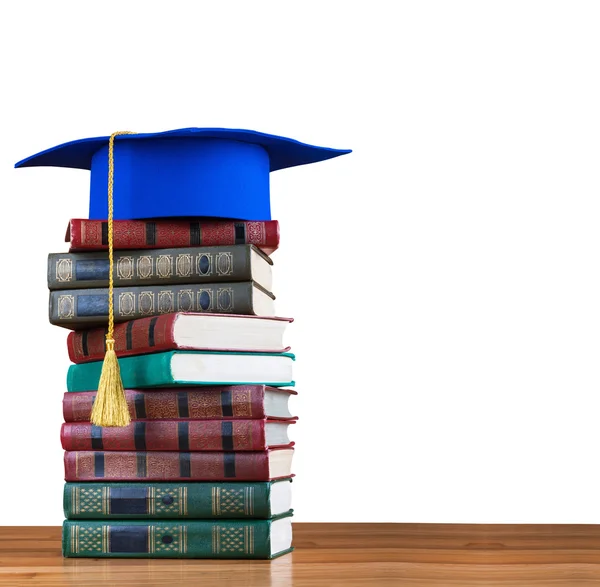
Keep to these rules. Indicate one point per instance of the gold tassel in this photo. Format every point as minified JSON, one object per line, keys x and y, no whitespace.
{"x":110,"y":406}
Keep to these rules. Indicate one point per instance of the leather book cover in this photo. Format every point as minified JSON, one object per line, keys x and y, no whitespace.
{"x":153,"y":267}
{"x":78,"y":309}
{"x":136,"y":500}
{"x":166,"y":466}
{"x":139,"y":337}
{"x":183,"y":435}
{"x":233,"y":539}
{"x":223,"y":402}
{"x":83,"y":234}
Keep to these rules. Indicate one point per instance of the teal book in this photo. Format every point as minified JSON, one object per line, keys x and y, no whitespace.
{"x":233,"y":539}
{"x":100,"y":501}
{"x":173,"y":368}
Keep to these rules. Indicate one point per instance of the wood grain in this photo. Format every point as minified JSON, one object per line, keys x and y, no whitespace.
{"x":351,"y":555}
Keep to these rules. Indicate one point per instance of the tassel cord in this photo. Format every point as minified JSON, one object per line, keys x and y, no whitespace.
{"x":110,"y":406}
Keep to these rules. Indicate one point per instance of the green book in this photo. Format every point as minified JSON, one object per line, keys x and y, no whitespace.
{"x":189,"y":368}
{"x":259,"y":539}
{"x":99,"y":501}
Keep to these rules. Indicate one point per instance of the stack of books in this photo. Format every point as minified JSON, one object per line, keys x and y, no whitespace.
{"x":204,"y":468}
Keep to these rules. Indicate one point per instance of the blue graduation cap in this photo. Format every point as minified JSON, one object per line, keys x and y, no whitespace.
{"x":215,"y":172}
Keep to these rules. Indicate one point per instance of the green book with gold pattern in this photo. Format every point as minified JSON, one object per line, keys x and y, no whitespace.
{"x":99,"y":501}
{"x":254,"y":539}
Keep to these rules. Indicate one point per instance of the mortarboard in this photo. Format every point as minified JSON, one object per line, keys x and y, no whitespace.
{"x":215,"y":172}
{"x":187,"y":172}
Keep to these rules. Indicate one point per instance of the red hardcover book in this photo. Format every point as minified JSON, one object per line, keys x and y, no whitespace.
{"x":178,"y":466}
{"x":184,"y":435}
{"x":92,"y":235}
{"x":222,"y":402}
{"x":183,"y":331}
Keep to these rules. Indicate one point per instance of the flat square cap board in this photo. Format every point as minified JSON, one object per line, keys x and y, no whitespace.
{"x":215,"y":172}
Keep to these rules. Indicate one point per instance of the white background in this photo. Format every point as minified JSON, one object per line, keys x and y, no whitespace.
{"x":444,"y":277}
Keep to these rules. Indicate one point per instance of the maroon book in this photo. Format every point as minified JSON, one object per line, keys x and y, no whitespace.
{"x":178,"y":466}
{"x":221,"y":402}
{"x":184,"y":435}
{"x":92,"y":235}
{"x":159,"y":333}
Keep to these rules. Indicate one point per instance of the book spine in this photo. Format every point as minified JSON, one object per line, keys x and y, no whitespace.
{"x":207,"y":403}
{"x":183,"y":435}
{"x":162,"y":266}
{"x":93,"y":501}
{"x":147,"y":335}
{"x":86,"y":308}
{"x":137,"y":372}
{"x":166,"y":466}
{"x":167,"y":539}
{"x":163,"y":234}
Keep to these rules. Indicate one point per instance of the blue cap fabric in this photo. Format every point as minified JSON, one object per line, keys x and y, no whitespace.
{"x":186,"y":172}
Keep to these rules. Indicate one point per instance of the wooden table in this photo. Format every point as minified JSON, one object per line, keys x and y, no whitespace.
{"x":335,"y":555}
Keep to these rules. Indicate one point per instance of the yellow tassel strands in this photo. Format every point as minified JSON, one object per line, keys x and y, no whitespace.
{"x":110,"y":405}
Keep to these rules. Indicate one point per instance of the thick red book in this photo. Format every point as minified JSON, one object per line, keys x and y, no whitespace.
{"x":92,"y":235}
{"x":182,"y":331}
{"x":184,"y":435}
{"x":221,"y":402}
{"x":178,"y":466}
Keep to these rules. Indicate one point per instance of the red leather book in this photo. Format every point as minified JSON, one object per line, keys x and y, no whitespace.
{"x":184,"y":331}
{"x":184,"y":435}
{"x":178,"y":466}
{"x":222,"y":402}
{"x":92,"y":235}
